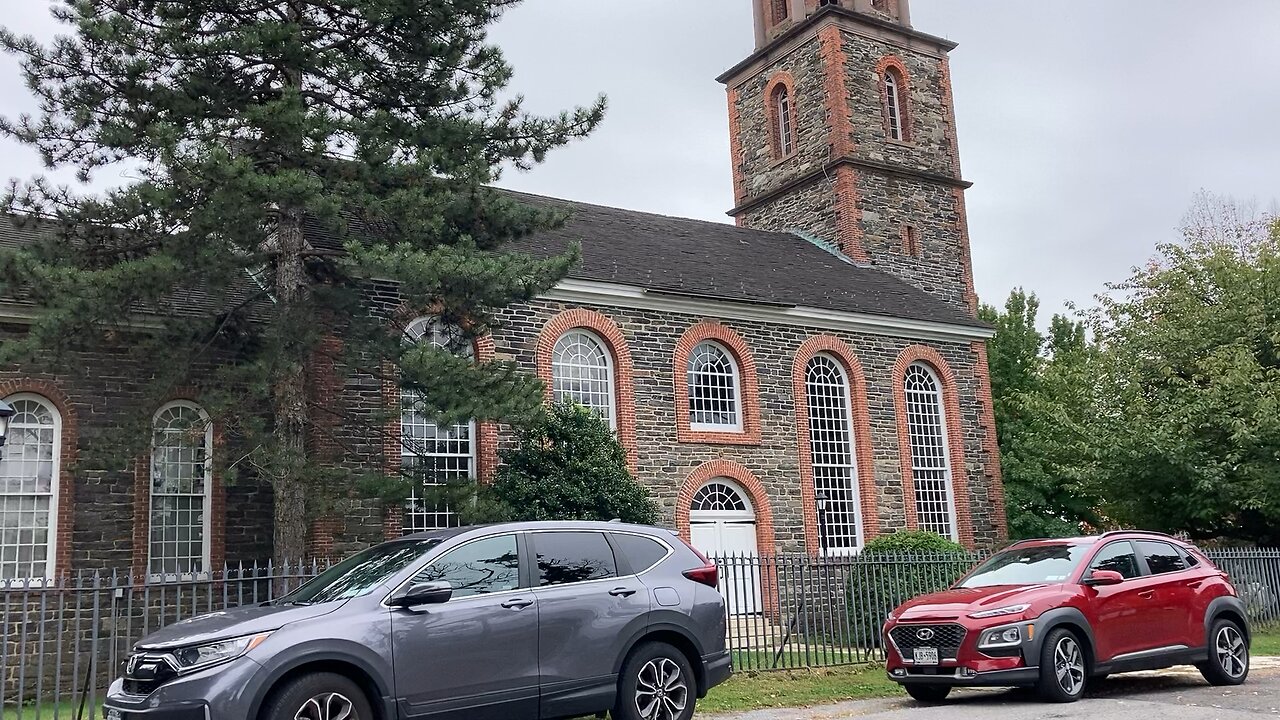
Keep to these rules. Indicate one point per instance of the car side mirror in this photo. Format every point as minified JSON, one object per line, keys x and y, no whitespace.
{"x":423,"y":593}
{"x":1098,"y":578}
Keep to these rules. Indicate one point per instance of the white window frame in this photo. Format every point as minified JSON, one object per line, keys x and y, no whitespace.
{"x":432,"y":329}
{"x":51,"y":558}
{"x":748,"y":511}
{"x":206,"y":513}
{"x":786,"y":130}
{"x":735,"y":426}
{"x":893,"y":98}
{"x":945,"y":439}
{"x":854,"y":479}
{"x":610,"y":365}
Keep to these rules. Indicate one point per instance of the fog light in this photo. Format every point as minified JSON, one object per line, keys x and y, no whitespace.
{"x":899,"y":672}
{"x":968,"y":672}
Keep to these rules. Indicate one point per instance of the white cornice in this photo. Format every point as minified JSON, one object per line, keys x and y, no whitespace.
{"x":591,"y":292}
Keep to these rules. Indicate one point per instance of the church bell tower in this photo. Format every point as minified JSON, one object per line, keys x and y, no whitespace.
{"x":842,"y":129}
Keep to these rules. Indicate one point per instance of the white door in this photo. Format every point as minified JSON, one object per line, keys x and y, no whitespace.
{"x":722,"y":525}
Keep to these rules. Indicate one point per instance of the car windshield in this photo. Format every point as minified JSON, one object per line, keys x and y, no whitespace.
{"x":360,"y":573}
{"x":1027,"y":566}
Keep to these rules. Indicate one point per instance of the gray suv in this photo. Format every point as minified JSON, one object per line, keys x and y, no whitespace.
{"x":522,"y":620}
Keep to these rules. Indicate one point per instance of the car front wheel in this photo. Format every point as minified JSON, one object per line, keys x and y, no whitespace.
{"x":1062,"y":667}
{"x":928,"y":694}
{"x":657,"y":683}
{"x":319,"y":696}
{"x":1228,"y":662}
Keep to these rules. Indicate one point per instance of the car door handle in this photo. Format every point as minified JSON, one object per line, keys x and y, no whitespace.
{"x":622,"y":592}
{"x":517,"y":604}
{"x":1194,"y":584}
{"x":1147,"y":594}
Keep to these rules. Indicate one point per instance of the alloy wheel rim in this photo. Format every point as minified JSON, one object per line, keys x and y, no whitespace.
{"x":1233,"y":654}
{"x":327,"y":706}
{"x":662,"y":692}
{"x":1068,"y":664}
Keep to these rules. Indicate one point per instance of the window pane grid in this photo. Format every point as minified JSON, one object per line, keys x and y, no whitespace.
{"x":718,"y":497}
{"x":430,"y":455}
{"x":930,"y":462}
{"x":582,"y":371}
{"x":832,"y":452}
{"x":179,"y":487}
{"x":783,"y":109}
{"x":893,"y":105}
{"x":713,"y":388}
{"x":27,"y":469}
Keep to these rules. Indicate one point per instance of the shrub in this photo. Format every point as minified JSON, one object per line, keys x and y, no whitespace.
{"x":894,"y":568}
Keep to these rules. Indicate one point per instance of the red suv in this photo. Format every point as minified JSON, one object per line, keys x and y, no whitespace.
{"x":1051,"y":614}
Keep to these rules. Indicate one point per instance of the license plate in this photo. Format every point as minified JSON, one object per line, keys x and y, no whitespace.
{"x":926,"y":656}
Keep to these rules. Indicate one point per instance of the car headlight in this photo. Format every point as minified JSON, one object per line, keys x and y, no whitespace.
{"x":201,"y":656}
{"x":1001,"y":612}
{"x":1001,"y":637}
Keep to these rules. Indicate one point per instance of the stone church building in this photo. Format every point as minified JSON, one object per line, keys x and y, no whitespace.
{"x":799,"y":382}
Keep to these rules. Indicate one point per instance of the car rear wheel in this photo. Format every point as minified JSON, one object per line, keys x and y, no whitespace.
{"x":928,"y":694}
{"x":657,"y":683}
{"x":319,"y":696}
{"x":1228,"y":662}
{"x":1063,"y":668}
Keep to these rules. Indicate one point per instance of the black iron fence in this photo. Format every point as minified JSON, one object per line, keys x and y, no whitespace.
{"x":65,"y":640}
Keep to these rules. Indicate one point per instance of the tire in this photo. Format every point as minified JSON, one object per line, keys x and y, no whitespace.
{"x":928,"y":694}
{"x":657,"y":683}
{"x":1228,"y":662}
{"x":318,"y":696}
{"x":1064,"y":667}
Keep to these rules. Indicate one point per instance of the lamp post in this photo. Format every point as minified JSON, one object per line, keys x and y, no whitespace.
{"x":6,"y":412}
{"x":821,"y":501}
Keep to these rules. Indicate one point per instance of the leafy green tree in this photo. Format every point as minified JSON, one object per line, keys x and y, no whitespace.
{"x":1189,"y":382}
{"x":568,"y":466}
{"x":248,"y":128}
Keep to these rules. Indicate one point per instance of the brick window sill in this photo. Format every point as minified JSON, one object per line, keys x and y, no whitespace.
{"x":712,"y":437}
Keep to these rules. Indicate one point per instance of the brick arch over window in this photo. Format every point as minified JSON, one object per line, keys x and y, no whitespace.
{"x":748,"y":386}
{"x":623,"y":375}
{"x":954,"y":433}
{"x":865,"y":455}
{"x":894,"y":64}
{"x":781,"y":82}
{"x":745,"y":479}
{"x":67,"y":447}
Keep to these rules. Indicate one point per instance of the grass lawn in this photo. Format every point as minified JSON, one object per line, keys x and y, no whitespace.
{"x":1266,"y":642}
{"x":797,"y":688}
{"x":48,"y":711}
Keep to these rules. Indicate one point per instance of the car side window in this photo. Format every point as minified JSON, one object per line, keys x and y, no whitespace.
{"x":1161,"y":557}
{"x":641,"y":552}
{"x":1120,"y":557}
{"x":572,"y":557}
{"x":482,"y":567}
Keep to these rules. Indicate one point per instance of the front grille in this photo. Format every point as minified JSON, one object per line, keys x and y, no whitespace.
{"x":947,"y":638}
{"x":144,"y":673}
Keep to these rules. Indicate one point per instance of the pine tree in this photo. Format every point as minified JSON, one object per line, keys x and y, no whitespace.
{"x":249,"y":125}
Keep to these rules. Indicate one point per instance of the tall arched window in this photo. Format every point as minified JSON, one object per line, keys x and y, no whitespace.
{"x":784,"y":122}
{"x":831,"y":444}
{"x":930,"y":457}
{"x":894,"y":103}
{"x":714,"y":397}
{"x":780,"y":10}
{"x":181,"y":490}
{"x":582,"y":371}
{"x":433,"y":456}
{"x":29,"y":471}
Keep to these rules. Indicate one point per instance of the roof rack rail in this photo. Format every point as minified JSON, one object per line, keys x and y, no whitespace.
{"x":1140,"y":532}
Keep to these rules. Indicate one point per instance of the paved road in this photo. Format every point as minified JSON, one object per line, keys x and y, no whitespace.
{"x":1169,"y":695}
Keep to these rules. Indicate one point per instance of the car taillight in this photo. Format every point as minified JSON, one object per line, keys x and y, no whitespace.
{"x":708,"y":574}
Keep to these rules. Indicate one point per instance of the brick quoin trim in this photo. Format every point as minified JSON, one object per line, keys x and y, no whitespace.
{"x":839,"y":113}
{"x":748,"y":386}
{"x":990,"y":441}
{"x":624,"y":391}
{"x":217,"y":495}
{"x":782,"y":79}
{"x":849,"y":215}
{"x":67,"y":445}
{"x":894,"y":64}
{"x":863,"y":452}
{"x":949,"y":107}
{"x":745,"y":479}
{"x":966,"y":256}
{"x":735,"y":148}
{"x":954,"y":435}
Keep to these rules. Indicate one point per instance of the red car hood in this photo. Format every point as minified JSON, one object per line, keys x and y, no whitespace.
{"x":958,"y":602}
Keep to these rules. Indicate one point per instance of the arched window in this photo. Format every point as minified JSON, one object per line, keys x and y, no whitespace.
{"x":719,"y":497}
{"x":431,"y":455}
{"x":713,"y":389}
{"x":895,"y":103}
{"x":832,"y":454}
{"x":780,"y":10}
{"x":930,"y":458}
{"x":784,"y":122}
{"x":181,"y":485}
{"x":582,"y":371}
{"x":29,"y":471}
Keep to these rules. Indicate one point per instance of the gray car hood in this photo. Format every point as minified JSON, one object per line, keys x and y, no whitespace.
{"x":232,"y":623}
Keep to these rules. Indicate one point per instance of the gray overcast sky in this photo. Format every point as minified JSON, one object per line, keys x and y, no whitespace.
{"x":1086,"y":126}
